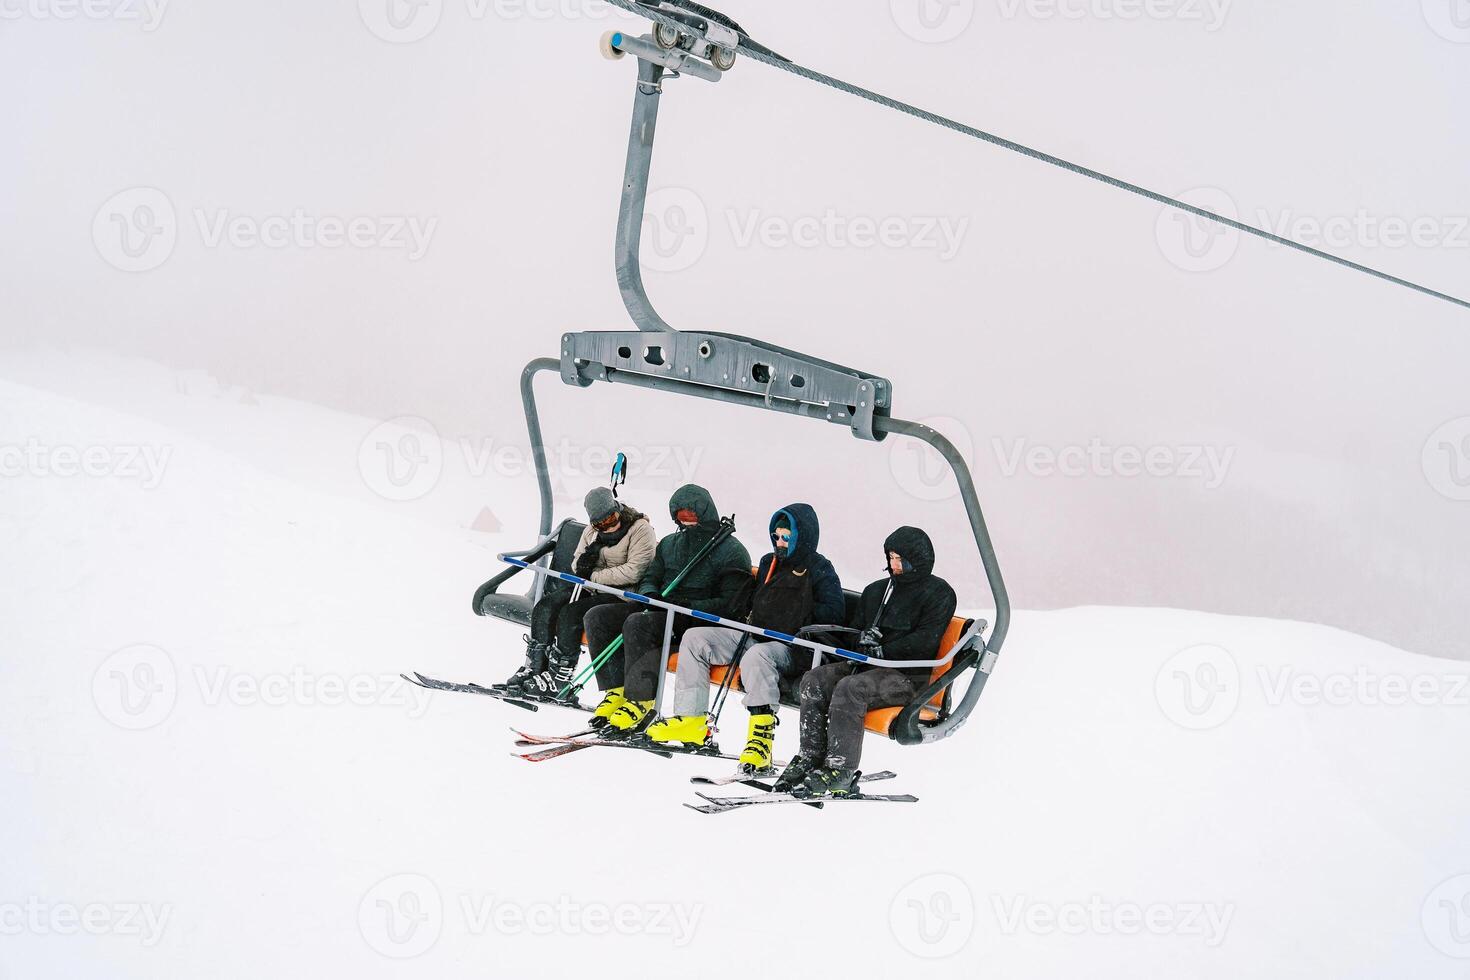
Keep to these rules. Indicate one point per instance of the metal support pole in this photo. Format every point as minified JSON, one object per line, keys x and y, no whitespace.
{"x":635,"y":193}
{"x":663,"y":665}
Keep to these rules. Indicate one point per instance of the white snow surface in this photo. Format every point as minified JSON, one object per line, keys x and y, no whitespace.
{"x":209,"y":768}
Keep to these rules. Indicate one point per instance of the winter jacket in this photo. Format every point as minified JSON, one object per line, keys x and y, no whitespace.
{"x":919,"y":610}
{"x":623,"y":562}
{"x":717,"y":580}
{"x":802,"y":589}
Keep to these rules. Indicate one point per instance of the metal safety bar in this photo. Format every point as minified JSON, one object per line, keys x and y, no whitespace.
{"x":735,"y":624}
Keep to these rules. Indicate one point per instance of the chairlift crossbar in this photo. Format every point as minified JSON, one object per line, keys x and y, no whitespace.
{"x":822,"y":648}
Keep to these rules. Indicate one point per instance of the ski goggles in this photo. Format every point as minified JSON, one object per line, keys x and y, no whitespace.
{"x":686,"y":516}
{"x":609,"y":522}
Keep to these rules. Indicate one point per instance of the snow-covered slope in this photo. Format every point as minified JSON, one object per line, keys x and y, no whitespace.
{"x":210,"y":770}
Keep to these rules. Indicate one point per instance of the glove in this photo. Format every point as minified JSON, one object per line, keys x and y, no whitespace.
{"x":585,"y":565}
{"x":870,"y":642}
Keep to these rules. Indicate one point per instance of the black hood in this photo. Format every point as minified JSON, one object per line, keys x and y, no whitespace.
{"x":915,"y":548}
{"x":806,"y":531}
{"x":697,"y":499}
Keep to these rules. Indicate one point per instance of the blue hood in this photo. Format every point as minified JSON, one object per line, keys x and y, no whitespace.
{"x":806,"y":531}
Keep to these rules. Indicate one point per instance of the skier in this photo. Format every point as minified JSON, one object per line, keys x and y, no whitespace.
{"x":629,"y":678}
{"x":902,"y":617}
{"x":794,"y":587}
{"x":615,"y":549}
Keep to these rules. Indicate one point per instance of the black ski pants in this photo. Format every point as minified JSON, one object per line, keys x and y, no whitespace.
{"x":835,"y":699}
{"x":634,"y":667}
{"x":556,"y":618}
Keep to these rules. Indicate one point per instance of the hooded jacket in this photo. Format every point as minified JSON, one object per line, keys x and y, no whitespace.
{"x":711,"y":586}
{"x":620,"y":563}
{"x":918,"y":611}
{"x":801,"y":589}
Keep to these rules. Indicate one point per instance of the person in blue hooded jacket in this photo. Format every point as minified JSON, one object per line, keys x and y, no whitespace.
{"x":794,"y":587}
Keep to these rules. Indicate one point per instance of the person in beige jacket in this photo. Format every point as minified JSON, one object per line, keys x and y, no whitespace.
{"x":615,"y":550}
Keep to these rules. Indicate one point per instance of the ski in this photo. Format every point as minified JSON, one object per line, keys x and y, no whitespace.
{"x":725,"y":804}
{"x":558,"y":746}
{"x":433,"y":684}
{"x":520,"y":698}
{"x":668,"y":749}
{"x":753,"y":780}
{"x":526,"y":739}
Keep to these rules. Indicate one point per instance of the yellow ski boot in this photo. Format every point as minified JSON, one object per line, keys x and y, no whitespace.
{"x":612,"y":700}
{"x":688,"y":729}
{"x":759,"y":745}
{"x":628,"y":716}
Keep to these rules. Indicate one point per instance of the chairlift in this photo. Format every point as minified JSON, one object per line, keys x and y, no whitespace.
{"x":735,"y":370}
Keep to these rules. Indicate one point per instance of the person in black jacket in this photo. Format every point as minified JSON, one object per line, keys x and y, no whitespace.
{"x":630,"y":677}
{"x":901,"y":617}
{"x":794,"y":587}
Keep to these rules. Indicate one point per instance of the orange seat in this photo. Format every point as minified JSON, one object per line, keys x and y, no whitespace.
{"x":880,"y":720}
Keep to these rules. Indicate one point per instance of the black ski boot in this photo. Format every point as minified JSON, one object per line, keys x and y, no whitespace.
{"x":557,"y":674}
{"x":535,"y":663}
{"x":826,"y":781}
{"x":791,"y":777}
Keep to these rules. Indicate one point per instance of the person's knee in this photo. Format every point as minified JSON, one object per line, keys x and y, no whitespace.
{"x":851,"y":693}
{"x":811,"y":687}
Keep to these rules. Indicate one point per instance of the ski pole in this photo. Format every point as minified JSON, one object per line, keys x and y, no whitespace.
{"x":726,"y":683}
{"x":727,"y":528}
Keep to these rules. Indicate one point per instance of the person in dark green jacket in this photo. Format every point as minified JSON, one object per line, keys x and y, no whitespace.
{"x":629,"y":678}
